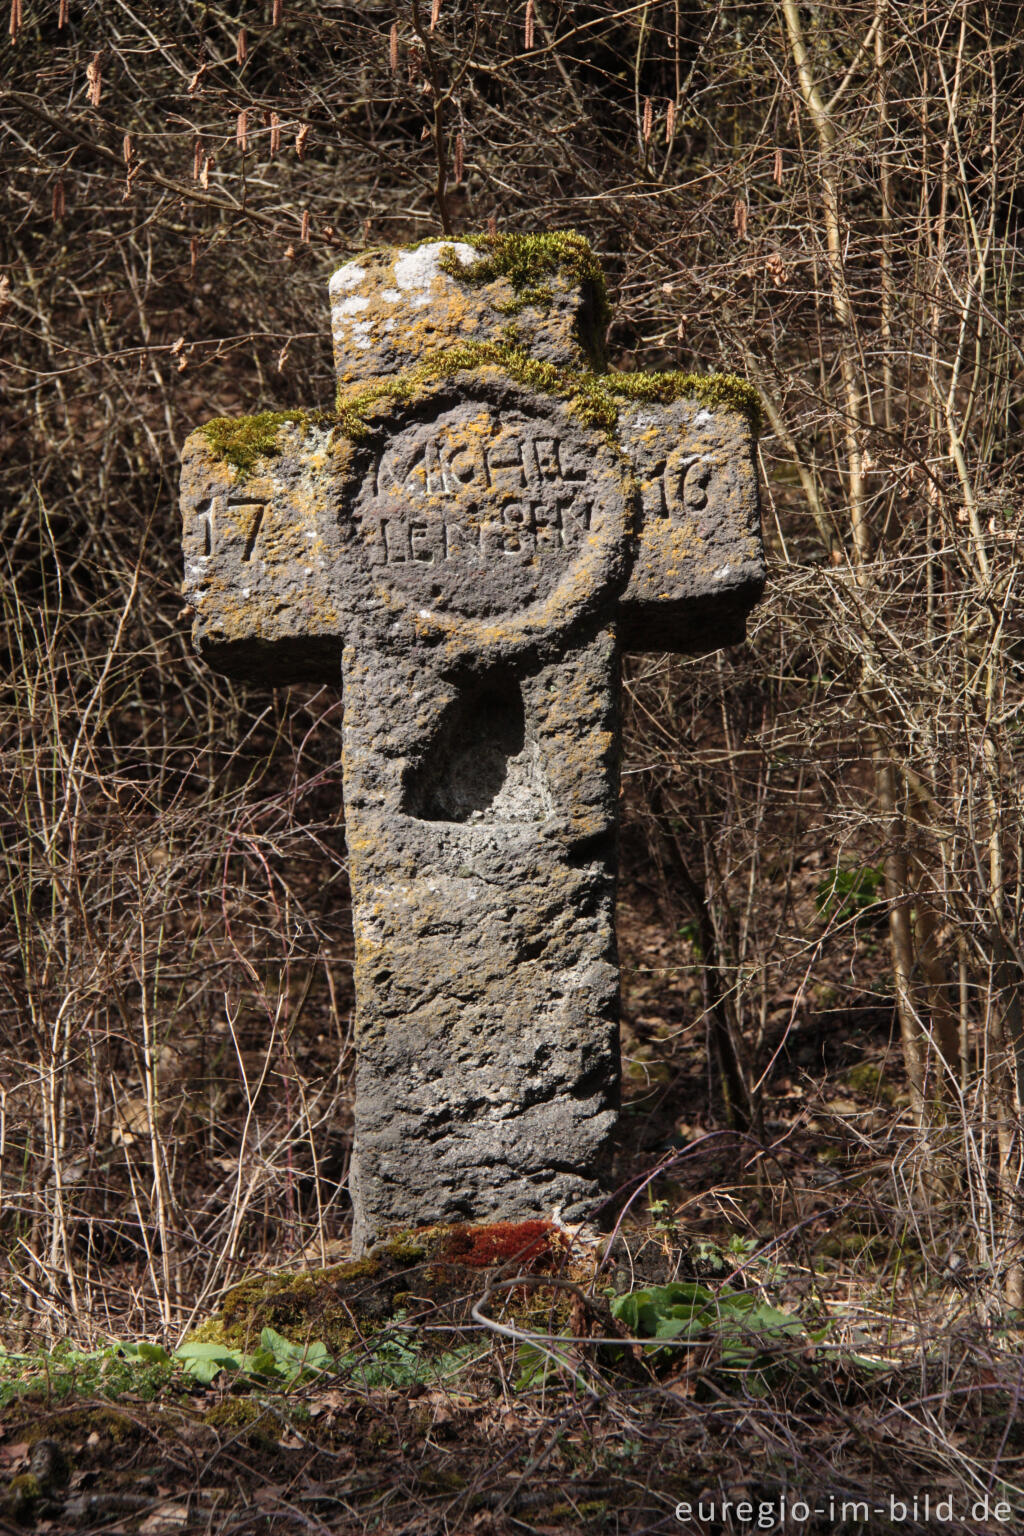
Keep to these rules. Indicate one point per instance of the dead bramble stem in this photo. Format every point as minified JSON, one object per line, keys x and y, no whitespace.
{"x":94,"y":80}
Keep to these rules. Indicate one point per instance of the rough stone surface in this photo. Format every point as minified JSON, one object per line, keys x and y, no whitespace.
{"x":474,"y":556}
{"x":481,"y":827}
{"x":392,"y":309}
{"x":699,"y":564}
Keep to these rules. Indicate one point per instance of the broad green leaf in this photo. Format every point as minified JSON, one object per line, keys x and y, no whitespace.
{"x":291,"y":1359}
{"x":198,"y":1351}
{"x":206,"y":1361}
{"x":627,"y":1310}
{"x":675,"y":1327}
{"x":278,"y":1345}
{"x":264,"y":1363}
{"x":648,"y":1313}
{"x":155,"y":1354}
{"x":204,"y":1371}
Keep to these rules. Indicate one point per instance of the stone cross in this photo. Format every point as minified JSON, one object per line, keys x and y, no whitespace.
{"x":474,"y":537}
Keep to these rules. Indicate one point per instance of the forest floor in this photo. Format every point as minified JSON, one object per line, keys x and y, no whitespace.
{"x":763,"y":1341}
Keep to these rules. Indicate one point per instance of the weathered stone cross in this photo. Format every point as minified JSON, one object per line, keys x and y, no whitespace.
{"x":475,"y":537}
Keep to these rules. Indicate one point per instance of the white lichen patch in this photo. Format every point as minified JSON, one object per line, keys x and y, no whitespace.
{"x":348,"y":276}
{"x":353,"y":305}
{"x":417,"y":271}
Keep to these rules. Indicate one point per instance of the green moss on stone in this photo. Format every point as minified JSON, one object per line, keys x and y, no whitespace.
{"x":313,"y":1304}
{"x":23,"y":1494}
{"x":209,"y":1331}
{"x":242,"y":440}
{"x":716,"y":391}
{"x":525,"y":261}
{"x":404,"y":1248}
{"x":594,"y":398}
{"x":79,"y":1424}
{"x":438,"y":1479}
{"x":244,"y":1416}
{"x":867,"y":1077}
{"x":354,"y":1269}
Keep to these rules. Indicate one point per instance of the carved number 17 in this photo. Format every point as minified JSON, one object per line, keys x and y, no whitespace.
{"x":208,"y":511}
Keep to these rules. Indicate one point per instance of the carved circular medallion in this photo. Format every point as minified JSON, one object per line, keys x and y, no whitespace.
{"x":492,"y":514}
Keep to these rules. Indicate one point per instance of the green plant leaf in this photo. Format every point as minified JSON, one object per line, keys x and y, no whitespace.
{"x":206,"y":1361}
{"x":264,"y":1363}
{"x":643,"y":1311}
{"x":278,"y":1345}
{"x":154,"y":1354}
{"x":748,"y":1329}
{"x":317,"y":1357}
{"x":199,"y":1351}
{"x":854,"y":892}
{"x":292,"y":1360}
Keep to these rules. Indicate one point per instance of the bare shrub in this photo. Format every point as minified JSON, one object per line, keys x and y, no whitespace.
{"x":825,"y":198}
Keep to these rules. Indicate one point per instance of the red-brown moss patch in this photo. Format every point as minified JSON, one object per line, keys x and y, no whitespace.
{"x":536,"y":1244}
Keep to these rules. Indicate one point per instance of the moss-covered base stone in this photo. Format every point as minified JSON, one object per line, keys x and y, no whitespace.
{"x":410,"y":1277}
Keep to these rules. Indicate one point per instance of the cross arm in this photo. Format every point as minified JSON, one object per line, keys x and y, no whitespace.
{"x":264,"y":543}
{"x":699,"y":563}
{"x":258,"y":549}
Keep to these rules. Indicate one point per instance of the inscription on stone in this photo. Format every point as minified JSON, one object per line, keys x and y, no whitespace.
{"x":474,"y":495}
{"x":519,"y":526}
{"x":230,"y":519}
{"x":680,"y":485}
